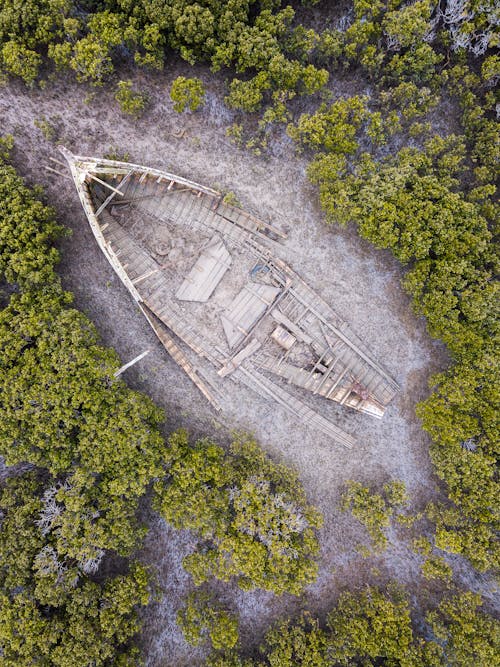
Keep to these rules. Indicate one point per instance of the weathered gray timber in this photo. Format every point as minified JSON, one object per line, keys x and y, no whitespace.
{"x":209,"y":281}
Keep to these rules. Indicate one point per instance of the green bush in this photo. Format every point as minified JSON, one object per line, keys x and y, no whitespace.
{"x":202,"y":618}
{"x":436,"y":567}
{"x":188,"y":93}
{"x":27,"y":230}
{"x":374,"y":510}
{"x":51,"y":612}
{"x":130,"y":102}
{"x":373,"y":627}
{"x":251,"y":515}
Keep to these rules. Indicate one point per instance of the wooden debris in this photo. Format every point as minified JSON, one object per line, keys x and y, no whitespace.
{"x":131,"y":363}
{"x":178,"y":356}
{"x":233,"y":363}
{"x":271,"y":323}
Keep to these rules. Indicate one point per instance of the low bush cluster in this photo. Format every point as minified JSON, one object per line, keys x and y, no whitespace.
{"x":250,"y":513}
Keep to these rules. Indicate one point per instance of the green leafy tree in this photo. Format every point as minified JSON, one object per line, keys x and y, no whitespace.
{"x":34,"y":21}
{"x":91,"y":55}
{"x":250,"y":513}
{"x":371,"y":627}
{"x":374,"y":510}
{"x":50,"y":612}
{"x":27,"y":227}
{"x":419,"y":64}
{"x":91,"y":60}
{"x":490,"y":69}
{"x":20,"y":541}
{"x":188,"y":93}
{"x":20,"y":61}
{"x":407,"y":26}
{"x":331,"y":47}
{"x":131,"y":102}
{"x":202,"y":618}
{"x":332,"y":128}
{"x":248,"y":95}
{"x":436,"y":567}
{"x":300,"y":643}
{"x":25,"y":29}
{"x":468,"y":636}
{"x":411,"y":100}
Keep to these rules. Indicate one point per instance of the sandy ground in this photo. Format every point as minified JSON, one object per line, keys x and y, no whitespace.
{"x":361,"y":283}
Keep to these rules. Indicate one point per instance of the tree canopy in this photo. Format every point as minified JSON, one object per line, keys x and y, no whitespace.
{"x":250,"y":513}
{"x":373,"y":627}
{"x":92,"y":447}
{"x":51,"y":612}
{"x":254,"y":36}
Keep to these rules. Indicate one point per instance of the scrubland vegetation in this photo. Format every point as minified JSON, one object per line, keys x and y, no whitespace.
{"x":85,"y":449}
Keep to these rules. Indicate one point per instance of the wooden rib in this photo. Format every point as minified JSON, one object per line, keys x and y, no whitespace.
{"x":54,"y":171}
{"x":236,"y":360}
{"x":240,"y":214}
{"x":63,"y":164}
{"x":307,"y":415}
{"x":99,"y":180}
{"x":146,"y":275}
{"x":336,"y":383}
{"x":344,"y":338}
{"x":325,"y":377}
{"x":112,"y":195}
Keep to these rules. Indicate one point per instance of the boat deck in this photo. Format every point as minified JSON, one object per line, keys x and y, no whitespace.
{"x":207,"y":274}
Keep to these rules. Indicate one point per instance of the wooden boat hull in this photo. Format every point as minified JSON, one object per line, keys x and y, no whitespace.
{"x":207,"y":277}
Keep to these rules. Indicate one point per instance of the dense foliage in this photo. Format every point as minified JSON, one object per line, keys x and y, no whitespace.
{"x":374,"y":510}
{"x":187,"y":93}
{"x":202,"y":618}
{"x":51,"y":611}
{"x":131,"y":102}
{"x":250,"y":513}
{"x":252,"y":36}
{"x":27,"y":228}
{"x":374,"y":628}
{"x":93,"y":448}
{"x":58,"y":398}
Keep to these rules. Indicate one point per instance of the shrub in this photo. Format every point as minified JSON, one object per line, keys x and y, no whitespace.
{"x":187,"y":93}
{"x":374,"y":510}
{"x":130,"y":102}
{"x":251,"y":514}
{"x":203,"y":618}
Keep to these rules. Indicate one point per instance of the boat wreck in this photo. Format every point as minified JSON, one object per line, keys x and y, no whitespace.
{"x":208,"y":279}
